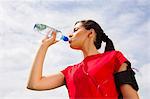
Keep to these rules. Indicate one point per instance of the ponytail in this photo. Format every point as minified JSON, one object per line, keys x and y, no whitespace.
{"x":109,"y":44}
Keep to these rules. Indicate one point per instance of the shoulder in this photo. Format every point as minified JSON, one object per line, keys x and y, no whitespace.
{"x":113,"y":53}
{"x":117,"y":56}
{"x":70,"y":68}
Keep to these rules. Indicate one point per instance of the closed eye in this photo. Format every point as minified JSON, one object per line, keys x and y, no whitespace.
{"x":75,"y":29}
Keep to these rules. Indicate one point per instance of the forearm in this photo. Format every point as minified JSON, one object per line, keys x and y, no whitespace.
{"x":37,"y":66}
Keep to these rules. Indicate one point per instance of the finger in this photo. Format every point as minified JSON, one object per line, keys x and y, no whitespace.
{"x":55,"y":41}
{"x":46,"y":37}
{"x":54,"y":34}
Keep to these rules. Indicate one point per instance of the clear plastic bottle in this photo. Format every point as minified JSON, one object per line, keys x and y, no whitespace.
{"x":44,"y":29}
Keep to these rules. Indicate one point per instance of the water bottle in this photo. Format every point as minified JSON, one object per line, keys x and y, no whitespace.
{"x":47,"y":30}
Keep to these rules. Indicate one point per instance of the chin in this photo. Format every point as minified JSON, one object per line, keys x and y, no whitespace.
{"x":75,"y":47}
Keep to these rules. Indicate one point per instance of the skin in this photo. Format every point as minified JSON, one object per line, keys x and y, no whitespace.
{"x":81,"y":39}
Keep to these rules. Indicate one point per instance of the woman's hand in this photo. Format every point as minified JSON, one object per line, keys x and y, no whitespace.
{"x":48,"y":41}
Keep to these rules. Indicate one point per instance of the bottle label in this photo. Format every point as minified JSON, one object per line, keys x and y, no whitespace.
{"x":40,"y":27}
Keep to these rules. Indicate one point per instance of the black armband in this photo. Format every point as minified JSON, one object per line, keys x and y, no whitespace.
{"x":126,"y":77}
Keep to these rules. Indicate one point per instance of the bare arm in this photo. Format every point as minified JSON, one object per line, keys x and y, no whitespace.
{"x":127,"y":91}
{"x":36,"y":80}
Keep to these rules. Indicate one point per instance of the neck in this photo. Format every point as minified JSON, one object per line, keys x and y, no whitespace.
{"x":89,"y":50}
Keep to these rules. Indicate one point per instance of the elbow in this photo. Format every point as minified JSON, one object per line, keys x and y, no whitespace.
{"x":31,"y":86}
{"x":34,"y":87}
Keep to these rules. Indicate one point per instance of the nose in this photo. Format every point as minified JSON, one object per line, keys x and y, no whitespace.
{"x":70,"y":35}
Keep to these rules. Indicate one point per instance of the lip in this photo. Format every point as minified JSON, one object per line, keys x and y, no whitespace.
{"x":70,"y":41}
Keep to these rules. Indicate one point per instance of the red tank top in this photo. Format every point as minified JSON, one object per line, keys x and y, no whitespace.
{"x":93,"y":78}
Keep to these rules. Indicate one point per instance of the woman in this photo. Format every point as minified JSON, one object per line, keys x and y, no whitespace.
{"x":105,"y":75}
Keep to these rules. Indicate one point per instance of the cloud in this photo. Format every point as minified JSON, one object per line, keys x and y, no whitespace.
{"x":144,"y":80}
{"x":126,"y":22}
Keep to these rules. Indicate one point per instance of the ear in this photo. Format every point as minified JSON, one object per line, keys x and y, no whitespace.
{"x":92,"y":33}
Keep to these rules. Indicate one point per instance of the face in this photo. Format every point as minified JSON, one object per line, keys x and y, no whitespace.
{"x":78,"y":37}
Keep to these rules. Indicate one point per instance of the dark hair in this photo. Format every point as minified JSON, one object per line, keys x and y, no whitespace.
{"x":100,"y":35}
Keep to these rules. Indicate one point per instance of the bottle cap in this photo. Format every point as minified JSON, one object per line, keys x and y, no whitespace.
{"x":65,"y":38}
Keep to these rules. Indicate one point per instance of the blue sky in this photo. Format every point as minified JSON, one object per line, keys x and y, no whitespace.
{"x":126,"y":22}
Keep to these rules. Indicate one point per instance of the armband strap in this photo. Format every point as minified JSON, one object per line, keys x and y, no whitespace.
{"x":126,"y":77}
